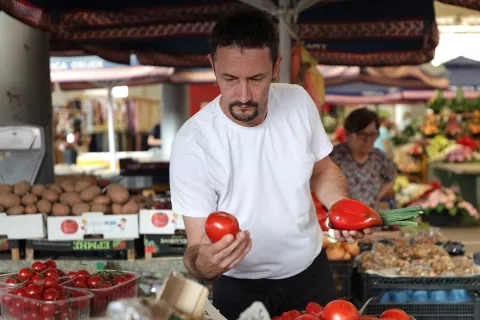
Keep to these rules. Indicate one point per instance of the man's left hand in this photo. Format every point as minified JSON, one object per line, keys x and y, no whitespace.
{"x":352,"y":235}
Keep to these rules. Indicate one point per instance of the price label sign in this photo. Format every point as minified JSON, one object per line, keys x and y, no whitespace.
{"x":257,"y":311}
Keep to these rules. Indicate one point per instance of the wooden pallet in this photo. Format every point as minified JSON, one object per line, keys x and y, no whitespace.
{"x":71,"y":247}
{"x":10,"y":245}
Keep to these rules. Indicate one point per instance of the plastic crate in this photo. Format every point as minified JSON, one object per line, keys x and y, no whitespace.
{"x":4,"y":277}
{"x":373,"y":285}
{"x":430,"y":311}
{"x":342,"y":274}
{"x":102,"y":297}
{"x":17,"y":307}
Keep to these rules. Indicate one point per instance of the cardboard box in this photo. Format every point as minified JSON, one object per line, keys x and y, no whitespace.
{"x":112,"y":226}
{"x":160,"y":221}
{"x":24,"y":226}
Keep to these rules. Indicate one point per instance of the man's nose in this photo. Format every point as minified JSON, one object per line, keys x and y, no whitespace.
{"x":244,"y":91}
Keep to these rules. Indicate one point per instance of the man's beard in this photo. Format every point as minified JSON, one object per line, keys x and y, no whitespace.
{"x":244,"y":115}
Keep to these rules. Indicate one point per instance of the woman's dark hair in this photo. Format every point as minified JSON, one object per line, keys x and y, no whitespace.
{"x":359,"y":119}
{"x":245,"y":29}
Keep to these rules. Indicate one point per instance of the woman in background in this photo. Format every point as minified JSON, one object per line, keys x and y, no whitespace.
{"x":370,"y":173}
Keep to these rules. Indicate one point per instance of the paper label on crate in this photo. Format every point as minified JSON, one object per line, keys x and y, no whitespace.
{"x":158,"y":221}
{"x":256,"y":311}
{"x":212,"y":313}
{"x":25,"y":226}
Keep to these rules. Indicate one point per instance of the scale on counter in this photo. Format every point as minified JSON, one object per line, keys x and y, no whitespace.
{"x":22,"y":149}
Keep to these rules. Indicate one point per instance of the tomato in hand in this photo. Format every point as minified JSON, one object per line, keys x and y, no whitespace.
{"x":395,"y":314}
{"x":39,"y":267}
{"x":34,"y":289}
{"x":313,"y":308}
{"x":50,"y":264}
{"x":25,"y":274}
{"x":340,"y":310}
{"x":219,"y":224}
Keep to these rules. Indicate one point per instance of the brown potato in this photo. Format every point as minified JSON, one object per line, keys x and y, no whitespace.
{"x":44,"y":206}
{"x":68,"y":186}
{"x":31,"y":209}
{"x":50,"y":195}
{"x":37,"y":190}
{"x":9,"y":200}
{"x":131,"y":207}
{"x":90,"y":193}
{"x":99,"y":207}
{"x":55,"y":187}
{"x":102,"y":200}
{"x":82,"y":185}
{"x":29,"y":199}
{"x":6,"y":188}
{"x":118,"y":193}
{"x":16,"y":210}
{"x":60,"y":210}
{"x":80,"y":208}
{"x":70,"y":198}
{"x":117,"y":208}
{"x":21,"y":188}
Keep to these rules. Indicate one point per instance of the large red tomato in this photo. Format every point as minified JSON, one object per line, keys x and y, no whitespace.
{"x":219,"y":224}
{"x":69,"y":226}
{"x":159,"y":219}
{"x":396,"y":314}
{"x":313,"y":308}
{"x":340,"y":310}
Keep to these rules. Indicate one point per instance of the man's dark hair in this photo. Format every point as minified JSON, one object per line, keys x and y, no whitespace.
{"x":245,"y":29}
{"x":359,"y":119}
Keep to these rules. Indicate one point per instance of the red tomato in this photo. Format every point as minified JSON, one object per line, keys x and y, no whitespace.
{"x":313,"y":308}
{"x":307,"y":317}
{"x":25,"y":273}
{"x":93,"y":281}
{"x":15,"y":307}
{"x":129,"y":276}
{"x":368,"y":318}
{"x":27,"y":283}
{"x":39,"y":267}
{"x":62,"y":303}
{"x":37,"y":278}
{"x":83,"y":273}
{"x":51,"y":295}
{"x":20,"y":292}
{"x":291,"y":315}
{"x":12,"y":280}
{"x":64,"y":315}
{"x":31,"y":303}
{"x":219,"y":224}
{"x":50,"y":282}
{"x":69,"y":226}
{"x":396,"y":314}
{"x":80,"y":285}
{"x":71,"y":274}
{"x":340,"y":310}
{"x":51,"y":273}
{"x":103,"y":285}
{"x":159,"y":219}
{"x":34,"y":289}
{"x":30,"y":315}
{"x":47,"y":309}
{"x":120,"y":279}
{"x":50,"y":264}
{"x":80,"y":304}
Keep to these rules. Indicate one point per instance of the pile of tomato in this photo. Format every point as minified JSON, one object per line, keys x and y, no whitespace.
{"x":106,"y":286}
{"x":339,"y":310}
{"x":37,"y":273}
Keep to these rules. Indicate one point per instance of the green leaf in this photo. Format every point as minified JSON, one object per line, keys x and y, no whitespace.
{"x":453,"y":212}
{"x":440,"y":208}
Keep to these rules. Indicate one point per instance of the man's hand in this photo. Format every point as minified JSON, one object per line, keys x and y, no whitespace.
{"x":349,"y":236}
{"x":214,"y":259}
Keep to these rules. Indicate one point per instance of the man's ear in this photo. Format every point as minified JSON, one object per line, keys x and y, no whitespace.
{"x":210,"y":59}
{"x":276,"y":68}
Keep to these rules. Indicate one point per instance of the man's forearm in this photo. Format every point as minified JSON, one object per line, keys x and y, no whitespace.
{"x":190,"y":261}
{"x":330,"y":185}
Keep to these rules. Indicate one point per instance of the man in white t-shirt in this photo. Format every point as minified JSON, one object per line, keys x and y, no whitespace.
{"x":257,"y":151}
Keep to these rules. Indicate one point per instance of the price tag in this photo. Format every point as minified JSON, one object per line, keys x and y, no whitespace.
{"x":212,"y":313}
{"x":256,"y":311}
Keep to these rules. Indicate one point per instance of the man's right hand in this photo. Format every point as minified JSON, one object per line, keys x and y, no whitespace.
{"x":214,"y":259}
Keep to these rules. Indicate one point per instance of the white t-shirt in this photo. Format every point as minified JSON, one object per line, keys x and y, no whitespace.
{"x":259,"y":174}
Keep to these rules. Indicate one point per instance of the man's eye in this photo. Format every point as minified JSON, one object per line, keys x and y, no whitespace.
{"x":229,"y":79}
